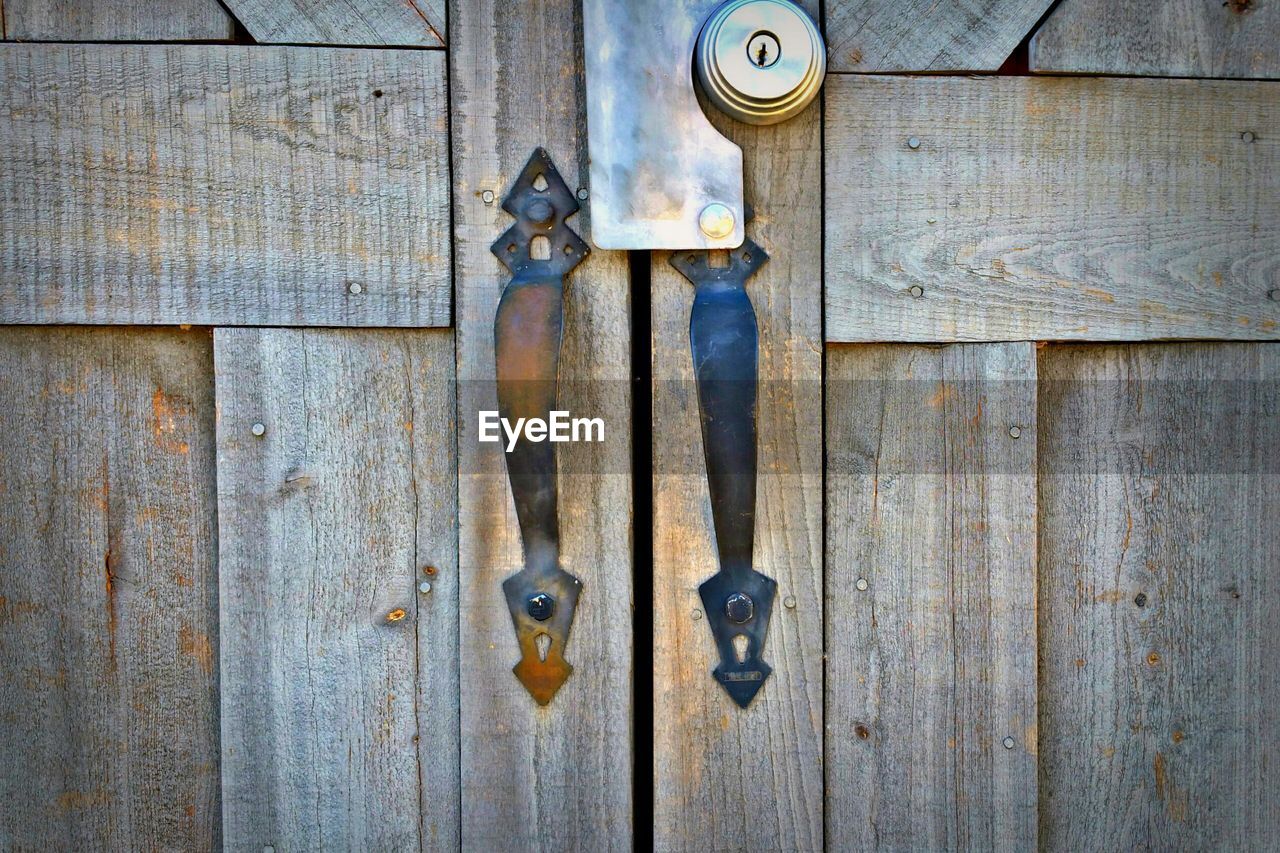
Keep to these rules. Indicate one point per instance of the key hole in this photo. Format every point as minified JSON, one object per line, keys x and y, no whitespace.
{"x":763,"y":49}
{"x":540,"y":248}
{"x":740,"y":646}
{"x":543,"y":643}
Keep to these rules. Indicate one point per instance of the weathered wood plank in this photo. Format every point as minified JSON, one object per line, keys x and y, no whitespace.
{"x":375,"y":23}
{"x":227,"y":185}
{"x":727,"y":778}
{"x":1160,"y":583}
{"x":925,"y":35}
{"x":339,"y":677}
{"x":108,"y":591}
{"x":931,"y":655}
{"x":539,"y":778}
{"x":1173,"y":38}
{"x":116,"y":20}
{"x":1051,"y":208}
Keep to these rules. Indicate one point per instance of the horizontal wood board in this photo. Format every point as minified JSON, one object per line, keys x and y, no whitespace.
{"x":116,"y":20}
{"x":223,"y":185}
{"x":371,"y":23}
{"x":1172,"y":38}
{"x":339,"y":676}
{"x":108,"y":591}
{"x":1036,"y":208}
{"x":926,"y":35}
{"x":1159,"y":547}
{"x":931,"y":597}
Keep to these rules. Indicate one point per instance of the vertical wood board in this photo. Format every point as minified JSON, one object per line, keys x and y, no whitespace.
{"x":1173,"y":38}
{"x":925,"y":35}
{"x":339,"y":677}
{"x":1038,"y":208}
{"x":108,"y":590}
{"x":539,"y":778}
{"x":1159,"y":577}
{"x":931,"y":596}
{"x":372,"y":23}
{"x":116,"y":20}
{"x":223,"y":185}
{"x":727,"y":778}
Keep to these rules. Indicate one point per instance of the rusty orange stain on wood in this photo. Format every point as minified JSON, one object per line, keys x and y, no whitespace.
{"x":196,"y":646}
{"x":165,"y":412}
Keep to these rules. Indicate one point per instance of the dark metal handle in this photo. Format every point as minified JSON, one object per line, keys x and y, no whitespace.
{"x":527,"y":330}
{"x":725,"y":345}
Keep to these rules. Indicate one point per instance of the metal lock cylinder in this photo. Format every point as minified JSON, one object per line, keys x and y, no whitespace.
{"x":760,"y":61}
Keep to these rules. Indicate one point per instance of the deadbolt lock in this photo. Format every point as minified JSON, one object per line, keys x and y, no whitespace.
{"x":760,"y":61}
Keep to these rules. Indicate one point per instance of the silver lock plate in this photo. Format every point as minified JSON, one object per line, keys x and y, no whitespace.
{"x":661,"y":176}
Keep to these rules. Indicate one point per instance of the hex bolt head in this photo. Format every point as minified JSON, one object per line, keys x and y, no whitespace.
{"x":716,"y":221}
{"x":541,"y":606}
{"x":913,"y":142}
{"x":259,"y":429}
{"x":583,"y":194}
{"x":739,"y":608}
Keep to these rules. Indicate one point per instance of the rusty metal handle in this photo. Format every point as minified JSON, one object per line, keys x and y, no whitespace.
{"x":527,"y":329}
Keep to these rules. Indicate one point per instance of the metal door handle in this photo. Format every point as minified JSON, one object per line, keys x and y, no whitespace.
{"x":540,"y":250}
{"x":724,"y":343}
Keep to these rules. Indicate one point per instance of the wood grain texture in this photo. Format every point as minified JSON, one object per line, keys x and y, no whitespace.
{"x":373,"y":23}
{"x":931,"y":596}
{"x":223,"y":185}
{"x":108,"y":591}
{"x":926,"y":35}
{"x":339,"y":678}
{"x":1173,"y":38}
{"x":1051,"y":208}
{"x":116,"y":20}
{"x":556,"y":777}
{"x":1159,"y":577}
{"x":726,"y":778}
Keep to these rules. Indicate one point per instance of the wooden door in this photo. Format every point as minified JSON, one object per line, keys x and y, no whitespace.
{"x":1019,"y":405}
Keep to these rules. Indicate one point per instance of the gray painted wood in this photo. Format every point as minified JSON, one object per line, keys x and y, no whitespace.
{"x":1173,"y":38}
{"x":223,"y":185}
{"x":932,"y":502}
{"x":339,"y":678}
{"x":116,"y":20}
{"x":374,"y":23}
{"x":1158,"y":478}
{"x":108,"y":591}
{"x":926,"y":35}
{"x":556,"y":777}
{"x":1039,"y":208}
{"x":727,"y":778}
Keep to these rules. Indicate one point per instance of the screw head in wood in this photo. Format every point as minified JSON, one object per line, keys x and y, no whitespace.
{"x":1015,"y":431}
{"x":424,"y":587}
{"x":1008,"y":742}
{"x":582,"y":193}
{"x":487,"y":196}
{"x":861,"y":584}
{"x":1248,"y":136}
{"x":259,"y":429}
{"x":1274,"y":295}
{"x":917,"y":291}
{"x":789,"y":602}
{"x":1140,"y":599}
{"x":913,"y":142}
{"x":355,"y":288}
{"x":696,"y":614}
